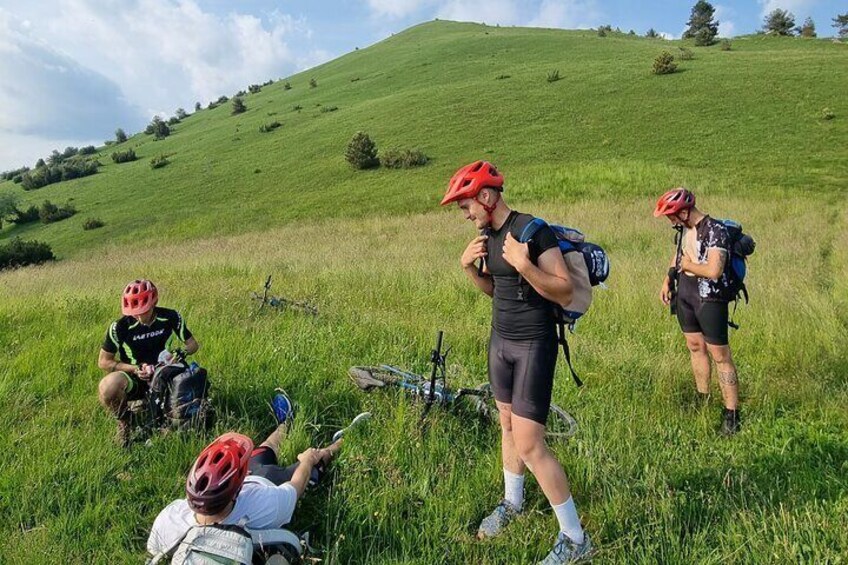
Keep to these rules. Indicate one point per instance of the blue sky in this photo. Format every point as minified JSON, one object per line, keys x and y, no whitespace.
{"x":71,"y":71}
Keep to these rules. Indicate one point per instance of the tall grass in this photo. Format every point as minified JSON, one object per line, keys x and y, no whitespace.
{"x":653,"y":480}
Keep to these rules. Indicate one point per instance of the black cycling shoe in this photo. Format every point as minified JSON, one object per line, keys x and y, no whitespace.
{"x":730,"y":422}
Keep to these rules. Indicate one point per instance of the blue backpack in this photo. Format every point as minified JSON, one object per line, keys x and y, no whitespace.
{"x":588,"y":265}
{"x":742,"y":246}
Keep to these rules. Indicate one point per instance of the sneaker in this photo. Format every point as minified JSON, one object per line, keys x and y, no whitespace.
{"x":123,"y":435}
{"x":730,"y":422}
{"x":502,"y":515}
{"x":282,"y":406}
{"x":566,"y":551}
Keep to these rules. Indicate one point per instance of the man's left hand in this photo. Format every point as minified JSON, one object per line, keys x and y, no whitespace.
{"x":516,"y":254}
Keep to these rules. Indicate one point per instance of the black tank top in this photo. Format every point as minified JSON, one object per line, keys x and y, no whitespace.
{"x":518,"y":311}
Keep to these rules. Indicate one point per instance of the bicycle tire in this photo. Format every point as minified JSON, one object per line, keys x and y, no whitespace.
{"x":560,"y":425}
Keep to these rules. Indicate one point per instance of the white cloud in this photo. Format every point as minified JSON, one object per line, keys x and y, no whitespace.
{"x":503,"y":12}
{"x":397,"y":8}
{"x":569,"y":14}
{"x":800,"y":8}
{"x":667,"y":36}
{"x":726,"y":27}
{"x":169,"y":53}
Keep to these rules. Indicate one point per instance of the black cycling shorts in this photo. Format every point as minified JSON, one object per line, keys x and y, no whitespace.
{"x":263,"y":463}
{"x":697,"y":316}
{"x":521,"y":373}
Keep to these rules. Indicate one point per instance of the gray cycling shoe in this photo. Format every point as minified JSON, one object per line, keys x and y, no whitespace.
{"x":492,"y":524}
{"x":566,"y":551}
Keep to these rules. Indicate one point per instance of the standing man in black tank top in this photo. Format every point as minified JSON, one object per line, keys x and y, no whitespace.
{"x":525,"y":282}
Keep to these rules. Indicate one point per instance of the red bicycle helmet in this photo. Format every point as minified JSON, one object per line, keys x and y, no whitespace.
{"x":216,"y":477}
{"x":674,"y":201}
{"x":139,"y":297}
{"x":468,"y":181}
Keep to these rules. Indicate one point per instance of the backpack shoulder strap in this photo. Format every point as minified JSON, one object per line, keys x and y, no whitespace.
{"x":530,"y":229}
{"x":567,"y":352}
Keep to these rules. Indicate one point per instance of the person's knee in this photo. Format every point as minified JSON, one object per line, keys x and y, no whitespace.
{"x":505,"y":417}
{"x":531,"y":450}
{"x":721,"y":355}
{"x":112,"y":389}
{"x":696,"y":345}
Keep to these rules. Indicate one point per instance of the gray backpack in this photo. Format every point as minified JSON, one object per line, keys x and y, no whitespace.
{"x":233,"y":545}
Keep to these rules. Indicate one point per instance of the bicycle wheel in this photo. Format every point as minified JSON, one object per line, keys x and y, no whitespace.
{"x":560,"y":426}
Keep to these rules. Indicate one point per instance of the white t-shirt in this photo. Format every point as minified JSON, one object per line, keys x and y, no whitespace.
{"x":260,"y":504}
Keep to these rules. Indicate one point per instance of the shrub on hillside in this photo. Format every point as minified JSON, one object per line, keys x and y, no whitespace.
{"x":92,"y":224}
{"x":827,"y":114}
{"x":88,"y":150}
{"x":19,"y":253}
{"x":157,"y":128}
{"x":703,"y":26}
{"x":685,"y":54}
{"x":502,"y":77}
{"x":25,"y":216}
{"x":120,"y":136}
{"x":664,"y":64}
{"x":604,"y":30}
{"x":197,"y":107}
{"x":652,"y":34}
{"x":78,"y":167}
{"x":9,"y":175}
{"x":222,"y":99}
{"x":725,"y":45}
{"x":361,"y":152}
{"x":328,"y":109}
{"x":267,"y":128}
{"x":159,"y":161}
{"x":313,"y":83}
{"x":212,"y":106}
{"x":173,"y":120}
{"x":8,"y":205}
{"x":297,"y":108}
{"x":49,"y":212}
{"x":553,"y":76}
{"x":403,"y":158}
{"x":181,"y":114}
{"x":48,"y":174}
{"x":807,"y":29}
{"x":238,"y":106}
{"x":779,"y":22}
{"x":287,"y":86}
{"x":124,"y":156}
{"x":254,"y":88}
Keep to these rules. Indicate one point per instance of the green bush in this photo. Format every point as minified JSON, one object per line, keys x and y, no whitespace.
{"x":173,"y":120}
{"x":197,"y":107}
{"x":124,"y":156}
{"x":725,"y":45}
{"x":120,"y":136}
{"x":287,"y":86}
{"x":827,"y":114}
{"x":297,"y":108}
{"x":267,"y":128}
{"x":652,"y":34}
{"x":403,"y":158}
{"x":73,"y":168}
{"x":88,"y":150}
{"x":254,"y":88}
{"x":361,"y":152}
{"x":238,"y":106}
{"x":502,"y":77}
{"x":26,"y":216}
{"x":327,"y":109}
{"x":664,"y":64}
{"x":313,"y":83}
{"x":553,"y":76}
{"x":159,"y":161}
{"x":92,"y":224}
{"x":157,"y":128}
{"x":222,"y":100}
{"x":19,"y":253}
{"x":9,"y":175}
{"x":49,"y":212}
{"x":181,"y":113}
{"x":685,"y":54}
{"x":78,"y":167}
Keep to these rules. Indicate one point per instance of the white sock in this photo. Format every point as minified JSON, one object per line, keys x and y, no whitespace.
{"x":569,"y":522}
{"x":514,"y":488}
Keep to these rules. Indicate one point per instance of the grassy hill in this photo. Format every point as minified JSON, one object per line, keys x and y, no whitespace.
{"x":744,"y":121}
{"x":652,"y":480}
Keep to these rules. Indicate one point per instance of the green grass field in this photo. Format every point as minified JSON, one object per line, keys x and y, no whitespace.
{"x":652,"y":479}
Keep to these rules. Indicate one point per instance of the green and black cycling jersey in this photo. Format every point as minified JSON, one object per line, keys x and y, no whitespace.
{"x":138,"y":344}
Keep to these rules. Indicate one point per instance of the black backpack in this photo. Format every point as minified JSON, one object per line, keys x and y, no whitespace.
{"x":179,"y":396}
{"x":742,"y":246}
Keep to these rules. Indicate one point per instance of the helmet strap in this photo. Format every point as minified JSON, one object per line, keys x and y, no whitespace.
{"x":489,"y":208}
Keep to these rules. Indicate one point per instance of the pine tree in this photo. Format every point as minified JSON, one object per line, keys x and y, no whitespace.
{"x":703,"y":27}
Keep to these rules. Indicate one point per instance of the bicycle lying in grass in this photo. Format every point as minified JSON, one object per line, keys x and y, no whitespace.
{"x":282,"y":303}
{"x":434,"y":391}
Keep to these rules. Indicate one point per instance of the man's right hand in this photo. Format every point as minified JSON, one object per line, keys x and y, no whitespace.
{"x":665,"y":293}
{"x":145,"y":372}
{"x":475,"y":250}
{"x":310,"y":457}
